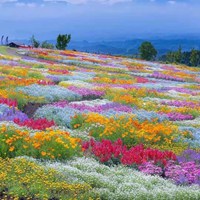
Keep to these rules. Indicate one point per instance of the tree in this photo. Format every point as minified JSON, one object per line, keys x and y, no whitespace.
{"x":47,"y":45}
{"x":63,"y":41}
{"x":7,"y":40}
{"x":147,"y":51}
{"x":178,"y":55}
{"x":170,"y":57}
{"x":2,"y":39}
{"x":35,"y":43}
{"x":194,"y":58}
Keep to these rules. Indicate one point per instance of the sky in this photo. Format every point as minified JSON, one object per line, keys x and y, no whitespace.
{"x":95,"y":20}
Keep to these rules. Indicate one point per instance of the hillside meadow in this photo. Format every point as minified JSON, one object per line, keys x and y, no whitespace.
{"x":75,"y":125}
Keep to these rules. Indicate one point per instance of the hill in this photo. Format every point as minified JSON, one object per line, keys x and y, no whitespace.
{"x":76,"y":125}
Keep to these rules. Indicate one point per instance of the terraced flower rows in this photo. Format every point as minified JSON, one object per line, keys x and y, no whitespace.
{"x":79,"y":119}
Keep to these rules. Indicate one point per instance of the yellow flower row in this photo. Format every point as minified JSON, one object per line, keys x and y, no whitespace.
{"x":132,"y":130}
{"x":49,"y":144}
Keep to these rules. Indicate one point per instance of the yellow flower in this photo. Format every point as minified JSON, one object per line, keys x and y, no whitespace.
{"x":11,"y":148}
{"x":9,"y":141}
{"x":43,"y":153}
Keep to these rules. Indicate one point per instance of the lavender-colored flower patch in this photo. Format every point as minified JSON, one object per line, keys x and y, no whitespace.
{"x":10,"y":113}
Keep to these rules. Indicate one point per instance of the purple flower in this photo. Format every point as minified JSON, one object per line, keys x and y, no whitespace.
{"x":150,"y":168}
{"x":183,"y":173}
{"x":189,"y":155}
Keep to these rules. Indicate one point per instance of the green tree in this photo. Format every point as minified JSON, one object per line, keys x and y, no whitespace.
{"x":178,"y":55}
{"x":47,"y":45}
{"x":170,"y":57}
{"x":35,"y":43}
{"x":147,"y":51}
{"x":194,"y":58}
{"x":63,"y":41}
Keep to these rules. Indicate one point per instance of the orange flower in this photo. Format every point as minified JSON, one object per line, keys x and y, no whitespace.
{"x":11,"y":148}
{"x":43,"y":153}
{"x":36,"y":145}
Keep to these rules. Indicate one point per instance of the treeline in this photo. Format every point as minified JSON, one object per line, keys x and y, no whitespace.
{"x":62,"y":42}
{"x":190,"y":58}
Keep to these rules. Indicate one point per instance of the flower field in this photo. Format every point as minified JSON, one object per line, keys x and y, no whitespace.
{"x":75,"y":125}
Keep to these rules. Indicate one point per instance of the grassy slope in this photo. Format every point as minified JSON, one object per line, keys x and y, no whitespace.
{"x":3,"y":50}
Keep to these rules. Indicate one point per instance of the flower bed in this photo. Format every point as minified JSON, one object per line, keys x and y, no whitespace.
{"x":138,"y":118}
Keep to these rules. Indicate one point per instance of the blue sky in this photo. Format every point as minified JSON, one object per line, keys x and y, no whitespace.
{"x":98,"y":19}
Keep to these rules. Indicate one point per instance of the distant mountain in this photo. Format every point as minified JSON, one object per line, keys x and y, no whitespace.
{"x":130,"y":47}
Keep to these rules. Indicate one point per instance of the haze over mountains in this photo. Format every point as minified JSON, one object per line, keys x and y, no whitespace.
{"x":130,"y":47}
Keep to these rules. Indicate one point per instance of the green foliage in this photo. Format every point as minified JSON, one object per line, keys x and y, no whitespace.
{"x":194,"y":58}
{"x":189,"y":58}
{"x":147,"y":51}
{"x":3,"y":50}
{"x":40,"y":66}
{"x":178,"y":55}
{"x":22,"y":99}
{"x":174,"y":56}
{"x":36,"y":75}
{"x":47,"y":45}
{"x":170,"y":57}
{"x":35,"y":43}
{"x":77,"y":121}
{"x":62,"y":41}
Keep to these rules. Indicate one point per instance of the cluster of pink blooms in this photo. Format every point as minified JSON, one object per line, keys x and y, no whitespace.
{"x":38,"y":124}
{"x":107,"y":151}
{"x":175,"y":116}
{"x":60,"y":71}
{"x":142,"y":80}
{"x":166,"y":77}
{"x":86,"y":92}
{"x":147,"y":160}
{"x":43,"y":82}
{"x":9,"y":102}
{"x":151,"y":168}
{"x":100,"y":108}
{"x":181,"y":104}
{"x":183,"y":173}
